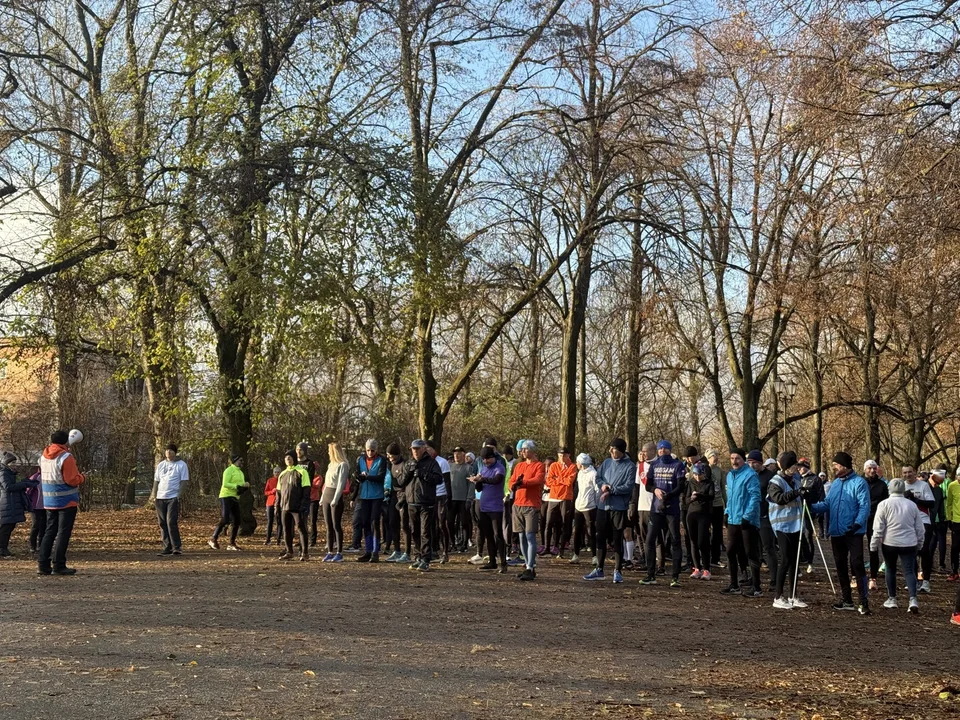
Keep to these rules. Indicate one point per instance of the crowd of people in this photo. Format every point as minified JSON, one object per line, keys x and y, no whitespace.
{"x":511,"y":510}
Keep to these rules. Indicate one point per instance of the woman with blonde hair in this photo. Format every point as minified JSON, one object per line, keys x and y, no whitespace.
{"x":336,"y":484}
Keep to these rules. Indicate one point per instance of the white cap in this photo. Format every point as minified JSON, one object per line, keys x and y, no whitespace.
{"x":870,"y":464}
{"x":74,"y":437}
{"x":939,"y":473}
{"x":769,"y":461}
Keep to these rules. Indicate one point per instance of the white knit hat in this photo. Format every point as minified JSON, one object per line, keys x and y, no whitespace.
{"x":584,"y":459}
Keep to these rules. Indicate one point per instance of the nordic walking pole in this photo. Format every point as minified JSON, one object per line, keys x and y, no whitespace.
{"x":796,"y":567}
{"x":822,"y":556}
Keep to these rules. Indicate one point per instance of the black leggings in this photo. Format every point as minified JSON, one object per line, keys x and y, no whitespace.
{"x":560,"y":524}
{"x":314,"y":518}
{"x":698,"y":525}
{"x":289,"y":521}
{"x":743,"y":539}
{"x":848,"y":555}
{"x":716,"y":533}
{"x":38,"y":528}
{"x":768,"y":539}
{"x":788,"y":544}
{"x":333,"y":519}
{"x":929,"y":547}
{"x":229,"y":515}
{"x":610,"y":529}
{"x":406,"y":519}
{"x":585,"y":528}
{"x":658,"y":523}
{"x":271,"y":519}
{"x":491,"y":531}
{"x":391,"y":524}
{"x":6,"y":530}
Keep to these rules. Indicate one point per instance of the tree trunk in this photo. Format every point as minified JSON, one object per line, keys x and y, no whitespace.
{"x":573,"y":324}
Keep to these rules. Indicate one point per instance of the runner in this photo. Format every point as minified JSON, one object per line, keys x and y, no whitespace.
{"x":786,"y":515}
{"x":332,"y":503}
{"x":878,"y":493}
{"x":526,"y":485}
{"x":898,"y":532}
{"x":615,"y":481}
{"x":768,"y":539}
{"x":561,"y":477}
{"x":743,"y":524}
{"x":169,"y":477}
{"x":270,"y":500}
{"x":423,"y":472}
{"x":372,"y":471}
{"x":848,"y":502}
{"x":293,"y":484}
{"x":443,"y":519}
{"x":489,"y":486}
{"x":585,"y":520}
{"x":233,"y":480}
{"x":700,"y":493}
{"x":920,"y":493}
{"x":666,"y":479}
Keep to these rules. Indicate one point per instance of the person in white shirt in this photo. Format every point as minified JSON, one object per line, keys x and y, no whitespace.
{"x":640,"y":504}
{"x":585,"y":509}
{"x":922,"y":496}
{"x":899,"y":532}
{"x":169,"y":477}
{"x":443,"y":538}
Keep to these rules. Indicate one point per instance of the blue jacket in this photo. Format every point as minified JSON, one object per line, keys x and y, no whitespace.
{"x":669,"y":474}
{"x":620,"y":475}
{"x":849,"y":504}
{"x":786,"y":507}
{"x":743,"y":496}
{"x":371,"y":487}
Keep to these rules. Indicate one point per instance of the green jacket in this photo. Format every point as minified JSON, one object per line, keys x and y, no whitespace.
{"x":232,"y":480}
{"x":952,"y":502}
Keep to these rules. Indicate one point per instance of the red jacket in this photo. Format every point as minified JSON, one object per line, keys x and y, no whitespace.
{"x":271,"y":491}
{"x":530,"y":476}
{"x":560,"y":479}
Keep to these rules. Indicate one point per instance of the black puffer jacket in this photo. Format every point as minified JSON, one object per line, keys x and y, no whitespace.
{"x":421,"y":479}
{"x":14,"y":505}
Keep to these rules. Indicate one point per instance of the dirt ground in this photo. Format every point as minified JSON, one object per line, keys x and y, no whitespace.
{"x":226,"y":635}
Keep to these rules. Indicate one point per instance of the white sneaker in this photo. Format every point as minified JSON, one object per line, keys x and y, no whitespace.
{"x":574,"y":559}
{"x":891,"y":603}
{"x":925,"y":586}
{"x":476,"y":560}
{"x":782,"y":604}
{"x":798,"y":603}
{"x":809,"y":569}
{"x":914,"y":608}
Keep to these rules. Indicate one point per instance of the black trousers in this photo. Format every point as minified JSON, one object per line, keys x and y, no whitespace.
{"x":491,"y":531}
{"x":271,"y":519}
{"x":6,"y":530}
{"x":559,"y":524}
{"x":688,"y":537}
{"x":56,"y":538}
{"x":357,"y":540}
{"x":314,"y":519}
{"x":926,"y":553}
{"x":955,"y":547}
{"x":768,"y":538}
{"x":585,"y":531}
{"x":848,"y":555}
{"x":289,"y":521}
{"x":659,"y":522}
{"x":787,"y":544}
{"x":406,"y":519}
{"x":229,"y":515}
{"x":461,"y":519}
{"x":424,"y":517}
{"x":37,"y":528}
{"x":391,"y":524}
{"x":716,"y":533}
{"x":808,"y":541}
{"x":698,"y":525}
{"x":168,"y":515}
{"x":610,"y":526}
{"x":481,"y":540}
{"x":874,"y":554}
{"x":744,"y":539}
{"x":940,"y":541}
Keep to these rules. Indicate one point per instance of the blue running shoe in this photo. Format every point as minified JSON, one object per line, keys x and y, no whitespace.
{"x":595,"y":574}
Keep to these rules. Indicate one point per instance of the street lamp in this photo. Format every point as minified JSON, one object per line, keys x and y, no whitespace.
{"x":786,"y":389}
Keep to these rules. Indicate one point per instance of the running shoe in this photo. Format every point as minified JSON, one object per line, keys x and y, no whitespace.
{"x":617,"y":576}
{"x":782,"y":604}
{"x":554,"y":550}
{"x":424,"y":567}
{"x":476,"y":560}
{"x":891,"y":603}
{"x":527,"y":575}
{"x":337,"y":558}
{"x":731,"y":590}
{"x":675,"y":582}
{"x":649,"y":581}
{"x":353,"y":550}
{"x":864,"y":608}
{"x":883,"y":568}
{"x":444,"y":559}
{"x":213,"y":544}
{"x":234,"y":548}
{"x":415,"y":565}
{"x":696,"y":575}
{"x":327,"y":558}
{"x":515,"y":562}
{"x":705,"y":575}
{"x":574,"y":559}
{"x":393,"y":557}
{"x":925,"y":586}
{"x":404,"y":558}
{"x":542,"y":550}
{"x":953,"y":577}
{"x":809,"y":568}
{"x":596,"y":574}
{"x":364,"y":558}
{"x":842,"y":605}
{"x":286,"y":556}
{"x":488,"y":566}
{"x":798,"y":603}
{"x":753,"y":593}
{"x":914,"y":608}
{"x":955,"y":619}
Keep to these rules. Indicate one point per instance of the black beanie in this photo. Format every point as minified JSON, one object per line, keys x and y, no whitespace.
{"x":620,"y":444}
{"x":60,"y":437}
{"x":691,"y":451}
{"x":740,"y":452}
{"x":844,"y":459}
{"x":787,"y":459}
{"x":487,"y":452}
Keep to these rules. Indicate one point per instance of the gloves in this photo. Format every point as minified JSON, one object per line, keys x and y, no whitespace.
{"x":908,"y":494}
{"x":854,"y":529}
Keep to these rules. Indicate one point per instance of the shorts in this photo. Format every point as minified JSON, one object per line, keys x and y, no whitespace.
{"x":616,"y":519}
{"x":526,"y":519}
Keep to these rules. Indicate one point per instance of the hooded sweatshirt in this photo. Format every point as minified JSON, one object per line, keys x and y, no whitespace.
{"x":743,"y":496}
{"x":587,"y":494}
{"x":59,"y":478}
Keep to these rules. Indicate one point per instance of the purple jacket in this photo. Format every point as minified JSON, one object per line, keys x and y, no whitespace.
{"x":491,"y":496}
{"x":35,"y":494}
